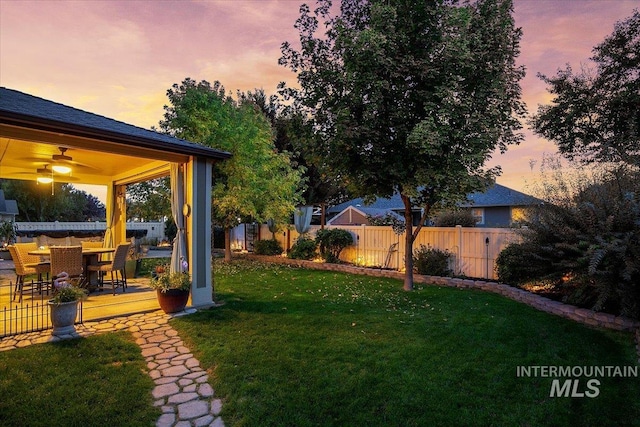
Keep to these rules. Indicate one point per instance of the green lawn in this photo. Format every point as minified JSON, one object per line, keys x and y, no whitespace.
{"x":98,"y":381}
{"x":295,"y":347}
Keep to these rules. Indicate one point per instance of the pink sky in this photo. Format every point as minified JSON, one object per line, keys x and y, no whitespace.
{"x":118,"y":58}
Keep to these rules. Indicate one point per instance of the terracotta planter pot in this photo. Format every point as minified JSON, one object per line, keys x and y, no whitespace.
{"x":173,"y":300}
{"x":63,"y":317}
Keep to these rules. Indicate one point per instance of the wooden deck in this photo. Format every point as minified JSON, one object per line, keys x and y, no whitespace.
{"x":139,"y":297}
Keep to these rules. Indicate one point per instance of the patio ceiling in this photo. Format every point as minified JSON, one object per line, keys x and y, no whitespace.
{"x":93,"y":161}
{"x":102,"y":150}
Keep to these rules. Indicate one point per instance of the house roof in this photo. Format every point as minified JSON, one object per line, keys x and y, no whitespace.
{"x":367,"y":211}
{"x":7,"y":207}
{"x":494,"y":196}
{"x":499,"y":195}
{"x":18,"y":108}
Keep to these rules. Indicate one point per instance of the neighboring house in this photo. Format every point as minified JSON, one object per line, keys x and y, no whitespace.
{"x":357,"y":215}
{"x":8,"y":209}
{"x":498,"y":206}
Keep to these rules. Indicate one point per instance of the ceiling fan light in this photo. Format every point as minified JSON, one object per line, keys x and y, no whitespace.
{"x":61,"y":168}
{"x":44,"y":179}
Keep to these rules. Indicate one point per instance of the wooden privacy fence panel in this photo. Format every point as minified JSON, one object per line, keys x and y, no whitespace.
{"x":474,"y":250}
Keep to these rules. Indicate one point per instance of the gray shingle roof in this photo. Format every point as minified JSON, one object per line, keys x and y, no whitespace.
{"x":496,"y":195}
{"x":18,"y":103}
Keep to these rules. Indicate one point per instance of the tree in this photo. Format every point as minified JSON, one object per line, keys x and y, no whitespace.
{"x":257,"y":182}
{"x":410,"y":96}
{"x":595,"y":114}
{"x":294,"y":134}
{"x":149,"y":200}
{"x":37,"y":203}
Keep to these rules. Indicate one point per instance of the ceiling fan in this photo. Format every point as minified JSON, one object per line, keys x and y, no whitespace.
{"x":61,"y":161}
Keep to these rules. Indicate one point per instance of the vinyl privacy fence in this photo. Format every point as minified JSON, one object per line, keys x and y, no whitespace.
{"x":474,"y":250}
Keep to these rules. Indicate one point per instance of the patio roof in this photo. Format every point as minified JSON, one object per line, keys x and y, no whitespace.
{"x":103,"y":150}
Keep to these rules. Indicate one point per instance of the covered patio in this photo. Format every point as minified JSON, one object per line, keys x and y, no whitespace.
{"x":36,"y":134}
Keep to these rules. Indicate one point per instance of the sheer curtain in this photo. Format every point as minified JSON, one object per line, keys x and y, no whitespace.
{"x":177,"y":201}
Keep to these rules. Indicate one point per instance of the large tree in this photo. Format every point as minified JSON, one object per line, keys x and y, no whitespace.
{"x":410,"y":97}
{"x":257,"y":182}
{"x":294,"y":134}
{"x":595,"y":113}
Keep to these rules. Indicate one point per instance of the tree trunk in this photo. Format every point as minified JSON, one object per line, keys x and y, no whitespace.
{"x":227,"y":244}
{"x":408,"y":244}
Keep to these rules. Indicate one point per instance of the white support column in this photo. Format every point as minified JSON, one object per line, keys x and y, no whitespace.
{"x":198,"y":229}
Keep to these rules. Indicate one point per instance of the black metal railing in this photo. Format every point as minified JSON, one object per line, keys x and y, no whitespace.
{"x":28,"y":312}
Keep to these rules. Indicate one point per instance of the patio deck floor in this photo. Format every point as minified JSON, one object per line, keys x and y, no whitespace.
{"x":139,"y":297}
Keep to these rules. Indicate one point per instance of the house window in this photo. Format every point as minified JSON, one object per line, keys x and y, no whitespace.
{"x":478,"y":215}
{"x":518,"y":215}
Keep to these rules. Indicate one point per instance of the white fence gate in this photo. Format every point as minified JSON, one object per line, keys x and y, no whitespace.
{"x":474,"y":250}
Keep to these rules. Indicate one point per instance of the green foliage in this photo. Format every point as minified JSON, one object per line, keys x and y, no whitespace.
{"x":519,"y":263}
{"x":331,"y":242}
{"x":267,"y":247}
{"x":37,"y":204}
{"x":7,"y":232}
{"x":431,"y":261}
{"x":294,"y":134}
{"x":587,"y":245}
{"x":303,"y":248}
{"x":64,"y":291}
{"x":396,"y":223}
{"x":409,"y":97}
{"x":595,"y":114}
{"x":451,"y":218}
{"x":149,"y":200}
{"x":257,"y":181}
{"x":163,"y":279}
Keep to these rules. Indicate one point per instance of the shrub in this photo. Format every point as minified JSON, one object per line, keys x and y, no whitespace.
{"x":303,"y":248}
{"x":332,"y":242}
{"x":453,"y":218}
{"x":585,"y":243}
{"x":519,"y":263}
{"x":431,"y":261}
{"x":267,"y":247}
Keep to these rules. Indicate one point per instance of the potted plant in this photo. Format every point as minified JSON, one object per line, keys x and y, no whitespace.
{"x":172,"y":289}
{"x":64,"y":305}
{"x":7,"y":237}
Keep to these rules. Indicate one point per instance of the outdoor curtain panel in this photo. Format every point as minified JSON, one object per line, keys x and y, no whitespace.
{"x":177,"y":201}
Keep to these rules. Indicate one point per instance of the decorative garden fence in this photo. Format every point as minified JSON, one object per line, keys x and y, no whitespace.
{"x":474,"y":250}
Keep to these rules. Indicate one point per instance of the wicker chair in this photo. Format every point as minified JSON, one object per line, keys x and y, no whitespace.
{"x":116,"y":265}
{"x":27,"y":264}
{"x":69,"y":260}
{"x":91,"y":244}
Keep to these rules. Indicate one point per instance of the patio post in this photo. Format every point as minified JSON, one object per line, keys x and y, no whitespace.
{"x":197,"y":211}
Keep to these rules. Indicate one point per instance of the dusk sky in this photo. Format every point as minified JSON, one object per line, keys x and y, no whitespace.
{"x":118,"y":58}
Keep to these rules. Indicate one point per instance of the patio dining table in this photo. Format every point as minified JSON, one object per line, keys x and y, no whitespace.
{"x":89,"y":255}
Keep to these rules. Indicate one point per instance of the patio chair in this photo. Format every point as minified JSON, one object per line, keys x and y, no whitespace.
{"x":69,"y":260}
{"x":91,"y":244}
{"x":116,"y":265}
{"x":27,"y":264}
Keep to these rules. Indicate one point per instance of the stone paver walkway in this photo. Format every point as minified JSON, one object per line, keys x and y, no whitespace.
{"x":181,"y":390}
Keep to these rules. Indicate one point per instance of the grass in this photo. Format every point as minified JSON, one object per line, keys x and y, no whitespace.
{"x":295,"y":347}
{"x":97,"y":381}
